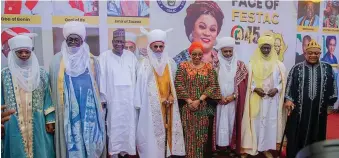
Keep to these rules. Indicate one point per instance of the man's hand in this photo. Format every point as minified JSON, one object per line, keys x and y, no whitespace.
{"x":272,"y":92}
{"x":5,"y":116}
{"x":260,"y":92}
{"x":50,"y":128}
{"x":170,"y":99}
{"x":223,"y":101}
{"x":289,"y":106}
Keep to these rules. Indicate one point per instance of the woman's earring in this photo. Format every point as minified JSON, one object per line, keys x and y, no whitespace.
{"x":190,"y":37}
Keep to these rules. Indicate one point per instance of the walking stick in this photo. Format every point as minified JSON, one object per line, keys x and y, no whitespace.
{"x":166,"y":127}
{"x":283,"y":137}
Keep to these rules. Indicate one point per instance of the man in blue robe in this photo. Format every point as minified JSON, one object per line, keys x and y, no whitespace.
{"x":80,"y":126}
{"x":25,"y":90}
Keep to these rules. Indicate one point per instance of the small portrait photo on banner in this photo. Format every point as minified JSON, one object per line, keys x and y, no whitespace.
{"x":329,"y":49}
{"x":203,"y":23}
{"x":9,"y":32}
{"x":308,"y":16}
{"x":331,"y":16}
{"x":91,"y":39}
{"x":23,"y":12}
{"x":123,"y":12}
{"x":69,"y":10}
{"x":301,"y":44}
{"x":135,"y":41}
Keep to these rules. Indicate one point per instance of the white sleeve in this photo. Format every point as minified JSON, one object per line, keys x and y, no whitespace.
{"x":103,"y":77}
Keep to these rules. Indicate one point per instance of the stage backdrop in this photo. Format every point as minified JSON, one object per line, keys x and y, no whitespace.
{"x":292,"y":23}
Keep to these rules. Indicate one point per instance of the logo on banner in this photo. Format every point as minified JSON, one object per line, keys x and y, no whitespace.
{"x":171,"y":6}
{"x":250,"y":35}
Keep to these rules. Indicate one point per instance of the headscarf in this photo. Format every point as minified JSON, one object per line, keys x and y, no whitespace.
{"x":77,"y":62}
{"x":159,"y":61}
{"x":195,"y":45}
{"x":263,"y":66}
{"x":27,"y":73}
{"x":228,"y":66}
{"x":196,"y":9}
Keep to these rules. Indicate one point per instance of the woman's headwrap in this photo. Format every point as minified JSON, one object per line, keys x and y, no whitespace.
{"x":195,"y":10}
{"x":194,"y":46}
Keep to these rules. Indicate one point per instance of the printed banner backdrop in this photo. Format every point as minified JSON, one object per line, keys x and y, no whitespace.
{"x":292,"y":23}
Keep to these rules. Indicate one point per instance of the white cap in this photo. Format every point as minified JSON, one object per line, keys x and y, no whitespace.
{"x":20,"y":41}
{"x":225,"y":42}
{"x":74,"y":27}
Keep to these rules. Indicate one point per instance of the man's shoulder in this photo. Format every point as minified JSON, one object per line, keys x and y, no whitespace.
{"x":326,"y":65}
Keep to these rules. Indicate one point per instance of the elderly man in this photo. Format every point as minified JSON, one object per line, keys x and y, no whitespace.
{"x":232,"y":77}
{"x":310,"y":18}
{"x":159,"y":132}
{"x":310,"y":91}
{"x":25,"y":89}
{"x":117,"y":84}
{"x":262,"y":120}
{"x":131,"y":45}
{"x":80,"y":128}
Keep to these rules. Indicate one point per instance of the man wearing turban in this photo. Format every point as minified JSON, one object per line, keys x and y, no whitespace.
{"x":131,"y":45}
{"x":25,"y":89}
{"x":159,"y":131}
{"x":262,"y":124}
{"x":80,"y":126}
{"x":311,"y":90}
{"x":232,"y":77}
{"x":117,"y":84}
{"x":7,"y":34}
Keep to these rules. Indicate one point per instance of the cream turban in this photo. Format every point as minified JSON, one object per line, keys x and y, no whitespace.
{"x":225,"y":42}
{"x":20,"y":41}
{"x":131,"y":37}
{"x":156,"y":35}
{"x":74,"y":27}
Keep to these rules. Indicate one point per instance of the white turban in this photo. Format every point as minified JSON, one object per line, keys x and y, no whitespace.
{"x":20,"y":41}
{"x":27,"y":73}
{"x":157,"y":36}
{"x":225,"y":42}
{"x":131,"y":37}
{"x":74,"y":27}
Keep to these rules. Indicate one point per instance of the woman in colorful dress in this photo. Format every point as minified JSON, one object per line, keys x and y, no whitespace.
{"x":198,"y":94}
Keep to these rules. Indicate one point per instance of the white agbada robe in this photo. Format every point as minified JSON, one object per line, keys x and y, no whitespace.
{"x":117,"y":85}
{"x":226,"y":77}
{"x":150,"y":130}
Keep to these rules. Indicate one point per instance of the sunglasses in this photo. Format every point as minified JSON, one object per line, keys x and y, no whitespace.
{"x":158,"y":46}
{"x":129,"y":47}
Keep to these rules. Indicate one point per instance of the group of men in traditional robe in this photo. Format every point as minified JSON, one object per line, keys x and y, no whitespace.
{"x":117,"y":105}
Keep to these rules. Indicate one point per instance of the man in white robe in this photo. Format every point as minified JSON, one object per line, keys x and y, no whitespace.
{"x":262,"y":123}
{"x":232,"y":77}
{"x":117,"y":83}
{"x":159,"y":130}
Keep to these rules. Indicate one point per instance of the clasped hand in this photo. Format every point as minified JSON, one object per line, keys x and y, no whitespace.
{"x":193,"y":105}
{"x":226,"y":100}
{"x":261,"y":92}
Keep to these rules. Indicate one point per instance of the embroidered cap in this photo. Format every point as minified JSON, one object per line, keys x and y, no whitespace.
{"x":313,"y":44}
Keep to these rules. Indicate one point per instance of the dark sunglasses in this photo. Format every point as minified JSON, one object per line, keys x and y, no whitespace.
{"x":157,"y":46}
